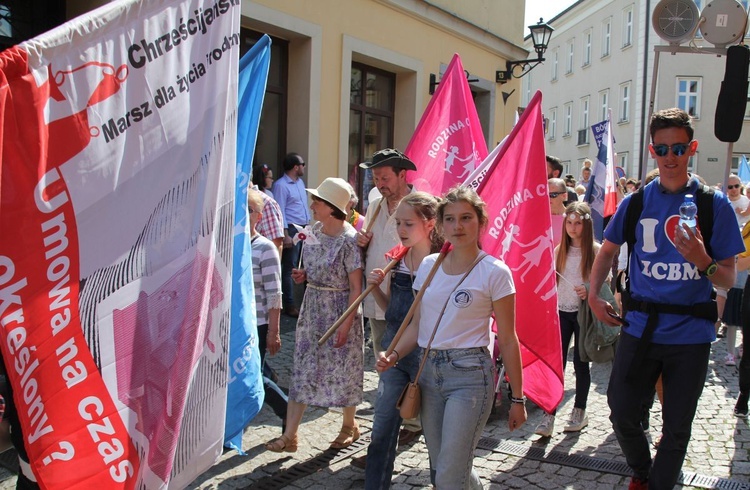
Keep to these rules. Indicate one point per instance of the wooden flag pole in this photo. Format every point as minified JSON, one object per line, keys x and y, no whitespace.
{"x":418,"y":299}
{"x":357,"y":301}
{"x":371,"y":222}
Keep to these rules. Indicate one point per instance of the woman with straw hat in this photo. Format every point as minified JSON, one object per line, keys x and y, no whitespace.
{"x":329,"y":375}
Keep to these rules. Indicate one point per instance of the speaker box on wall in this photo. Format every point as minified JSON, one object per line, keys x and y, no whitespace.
{"x":730,"y":107}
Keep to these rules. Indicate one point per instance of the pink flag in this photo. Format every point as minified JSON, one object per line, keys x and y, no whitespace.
{"x":448,"y":143}
{"x":520,"y":233}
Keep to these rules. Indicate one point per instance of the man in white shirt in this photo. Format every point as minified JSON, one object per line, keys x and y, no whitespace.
{"x":389,"y":169}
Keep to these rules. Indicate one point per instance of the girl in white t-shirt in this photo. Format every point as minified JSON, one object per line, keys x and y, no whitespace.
{"x":574,"y":257}
{"x":457,"y":380}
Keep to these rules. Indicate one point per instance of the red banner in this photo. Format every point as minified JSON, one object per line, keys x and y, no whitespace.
{"x":520,"y":234}
{"x":117,"y":166}
{"x":39,"y":286}
{"x":448,"y":144}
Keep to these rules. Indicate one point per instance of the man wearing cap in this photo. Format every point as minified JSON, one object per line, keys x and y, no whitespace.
{"x":289,"y":191}
{"x":389,"y":169}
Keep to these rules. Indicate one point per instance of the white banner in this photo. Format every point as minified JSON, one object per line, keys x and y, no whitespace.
{"x":117,"y":186}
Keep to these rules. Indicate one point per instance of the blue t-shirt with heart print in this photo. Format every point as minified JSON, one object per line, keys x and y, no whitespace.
{"x":660,"y":274}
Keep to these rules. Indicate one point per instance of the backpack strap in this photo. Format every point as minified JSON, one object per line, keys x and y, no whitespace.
{"x":704,"y":199}
{"x":632,"y":216}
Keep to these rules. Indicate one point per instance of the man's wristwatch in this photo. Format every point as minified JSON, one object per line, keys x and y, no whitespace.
{"x":710,"y":270}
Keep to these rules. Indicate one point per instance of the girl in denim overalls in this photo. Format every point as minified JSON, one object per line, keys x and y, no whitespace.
{"x":415,"y":225}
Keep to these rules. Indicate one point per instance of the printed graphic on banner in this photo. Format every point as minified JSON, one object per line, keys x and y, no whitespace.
{"x":117,"y":183}
{"x":448,"y":144}
{"x":520,"y":233}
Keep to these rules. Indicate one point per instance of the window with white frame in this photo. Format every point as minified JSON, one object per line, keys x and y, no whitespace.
{"x":583,"y":129}
{"x":689,"y":95}
{"x":554,"y":65}
{"x":622,"y":162}
{"x":571,"y":52}
{"x":624,"y":115}
{"x":584,"y":116}
{"x":552,"y":129}
{"x":627,"y":26}
{"x":568,"y":123}
{"x":586,"y":48}
{"x":606,"y":36}
{"x":735,"y":164}
{"x":603,"y":104}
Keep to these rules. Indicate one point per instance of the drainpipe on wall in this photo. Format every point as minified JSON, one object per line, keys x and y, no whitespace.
{"x":644,"y":123}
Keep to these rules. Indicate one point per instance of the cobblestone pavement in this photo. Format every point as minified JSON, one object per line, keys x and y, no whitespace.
{"x":720,"y":445}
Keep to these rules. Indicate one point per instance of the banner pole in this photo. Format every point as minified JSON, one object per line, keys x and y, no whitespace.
{"x":357,"y":302}
{"x":417,"y":300}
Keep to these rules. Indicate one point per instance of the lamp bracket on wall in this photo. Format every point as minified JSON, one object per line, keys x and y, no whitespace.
{"x":434,"y":83}
{"x":540,"y":36}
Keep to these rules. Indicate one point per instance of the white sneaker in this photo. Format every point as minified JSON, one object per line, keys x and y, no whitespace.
{"x":546,"y":426}
{"x":729,"y":360}
{"x":578,"y":420}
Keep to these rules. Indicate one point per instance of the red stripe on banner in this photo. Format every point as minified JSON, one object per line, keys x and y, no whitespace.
{"x":72,"y":431}
{"x":520,"y":233}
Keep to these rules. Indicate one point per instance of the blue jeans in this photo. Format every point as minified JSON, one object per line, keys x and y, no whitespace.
{"x":457,"y":396}
{"x":683,"y":369}
{"x":289,"y":261}
{"x":382,"y":451}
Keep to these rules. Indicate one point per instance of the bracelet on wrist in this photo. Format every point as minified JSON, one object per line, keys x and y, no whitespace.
{"x":398,"y":356}
{"x":513,"y":399}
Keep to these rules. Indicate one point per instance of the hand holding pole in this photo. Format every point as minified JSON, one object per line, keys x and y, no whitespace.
{"x":361,"y":298}
{"x":443,"y":252}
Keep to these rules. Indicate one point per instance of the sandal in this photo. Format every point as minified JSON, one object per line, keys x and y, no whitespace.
{"x":282,"y":444}
{"x":346,"y":437}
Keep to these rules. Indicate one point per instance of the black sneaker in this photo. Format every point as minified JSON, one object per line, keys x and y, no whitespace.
{"x":740,"y":409}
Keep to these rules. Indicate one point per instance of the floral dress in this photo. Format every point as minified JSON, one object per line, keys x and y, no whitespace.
{"x":326,"y":376}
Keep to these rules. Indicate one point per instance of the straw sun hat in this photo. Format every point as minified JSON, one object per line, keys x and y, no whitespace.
{"x":334,"y":191}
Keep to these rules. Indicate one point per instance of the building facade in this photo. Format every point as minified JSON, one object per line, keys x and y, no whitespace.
{"x":354,"y":76}
{"x":601,"y":58}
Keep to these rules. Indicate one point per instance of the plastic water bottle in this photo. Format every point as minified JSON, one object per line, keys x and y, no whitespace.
{"x":688,"y":210}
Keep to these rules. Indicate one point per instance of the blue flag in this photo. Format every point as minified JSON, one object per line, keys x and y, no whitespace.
{"x":601,"y":192}
{"x":245,"y":384}
{"x":744,"y":171}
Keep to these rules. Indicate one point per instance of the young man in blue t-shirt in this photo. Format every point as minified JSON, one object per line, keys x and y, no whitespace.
{"x":669,"y":325}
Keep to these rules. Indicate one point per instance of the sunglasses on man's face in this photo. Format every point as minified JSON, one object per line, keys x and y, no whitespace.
{"x":553,"y":195}
{"x":734,"y":186}
{"x":678,"y":149}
